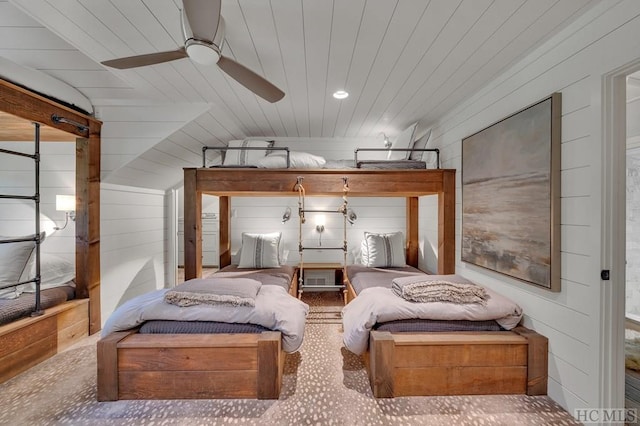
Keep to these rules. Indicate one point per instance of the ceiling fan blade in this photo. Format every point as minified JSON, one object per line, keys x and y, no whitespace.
{"x":143,"y":60}
{"x":250,"y":80}
{"x":203,"y":17}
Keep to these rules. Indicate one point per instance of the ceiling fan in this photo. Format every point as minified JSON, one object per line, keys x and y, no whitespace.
{"x":203,"y":30}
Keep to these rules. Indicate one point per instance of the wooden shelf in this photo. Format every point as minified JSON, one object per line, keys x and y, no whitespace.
{"x":321,"y":266}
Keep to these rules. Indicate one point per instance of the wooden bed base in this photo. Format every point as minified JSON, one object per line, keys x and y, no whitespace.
{"x":29,"y":341}
{"x":457,"y":363}
{"x":189,"y":366}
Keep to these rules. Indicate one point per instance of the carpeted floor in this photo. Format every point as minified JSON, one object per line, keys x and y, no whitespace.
{"x":324,"y":384}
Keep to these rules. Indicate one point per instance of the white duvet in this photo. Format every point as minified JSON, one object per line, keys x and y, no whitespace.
{"x":275,"y":309}
{"x":379,"y":304}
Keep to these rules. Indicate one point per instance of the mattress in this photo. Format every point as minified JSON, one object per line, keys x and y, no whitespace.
{"x":391,"y":164}
{"x":198,"y":327}
{"x":425,"y":326}
{"x":23,"y":306}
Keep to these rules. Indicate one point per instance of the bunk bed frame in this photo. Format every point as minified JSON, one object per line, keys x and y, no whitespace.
{"x":398,"y":364}
{"x":143,"y":366}
{"x":28,"y":341}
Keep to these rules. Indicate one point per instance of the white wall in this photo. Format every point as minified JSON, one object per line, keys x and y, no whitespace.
{"x":132,"y":243}
{"x":264,"y":214}
{"x":57,"y":176}
{"x":573,"y":62}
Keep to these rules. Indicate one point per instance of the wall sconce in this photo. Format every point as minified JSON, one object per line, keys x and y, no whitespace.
{"x":320,"y":228}
{"x":351,"y":216}
{"x":387,"y":142}
{"x":67,"y":204}
{"x":286,"y":215}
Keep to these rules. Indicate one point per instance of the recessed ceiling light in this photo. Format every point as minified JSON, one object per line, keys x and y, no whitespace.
{"x":340,"y":94}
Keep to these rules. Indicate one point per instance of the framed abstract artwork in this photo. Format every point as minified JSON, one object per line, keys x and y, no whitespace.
{"x":511,"y":195}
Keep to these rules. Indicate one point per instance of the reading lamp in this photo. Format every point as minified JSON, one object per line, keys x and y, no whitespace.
{"x":320,"y":228}
{"x":66,"y":204}
{"x":387,"y":142}
{"x":286,"y":215}
{"x":351,"y":216}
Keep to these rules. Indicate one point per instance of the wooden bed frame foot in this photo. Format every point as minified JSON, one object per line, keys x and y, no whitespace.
{"x":269,"y":354}
{"x":107,"y":357}
{"x":537,"y":365}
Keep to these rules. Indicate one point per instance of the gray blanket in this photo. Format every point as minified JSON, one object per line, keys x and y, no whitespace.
{"x":377,"y":305}
{"x":438,"y":288}
{"x":215,"y":291}
{"x":274,"y":309}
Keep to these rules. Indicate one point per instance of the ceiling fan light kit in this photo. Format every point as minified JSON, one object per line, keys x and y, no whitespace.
{"x":202,"y":52}
{"x":203,"y":30}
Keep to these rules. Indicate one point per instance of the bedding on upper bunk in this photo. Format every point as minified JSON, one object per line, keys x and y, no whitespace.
{"x":261,"y":153}
{"x":380,"y":304}
{"x":274,"y":309}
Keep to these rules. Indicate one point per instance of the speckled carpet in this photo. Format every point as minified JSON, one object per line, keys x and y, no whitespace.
{"x":324,"y":384}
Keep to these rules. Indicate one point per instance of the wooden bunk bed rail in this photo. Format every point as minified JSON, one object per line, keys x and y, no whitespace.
{"x":326,"y":182}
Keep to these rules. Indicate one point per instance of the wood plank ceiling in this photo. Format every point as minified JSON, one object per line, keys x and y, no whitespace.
{"x":401,"y":61}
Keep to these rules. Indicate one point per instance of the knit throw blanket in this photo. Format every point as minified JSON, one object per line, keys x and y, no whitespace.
{"x":417,"y":289}
{"x":215,"y":291}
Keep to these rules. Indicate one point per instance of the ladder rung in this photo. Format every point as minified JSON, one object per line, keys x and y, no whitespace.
{"x":321,"y":211}
{"x":323,"y":248}
{"x":19,"y":197}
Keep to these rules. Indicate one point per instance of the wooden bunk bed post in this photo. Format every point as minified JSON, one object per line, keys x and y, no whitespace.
{"x":224,"y":211}
{"x":447,"y":224}
{"x":192,"y":226}
{"x":412,"y":231}
{"x":88,"y":224}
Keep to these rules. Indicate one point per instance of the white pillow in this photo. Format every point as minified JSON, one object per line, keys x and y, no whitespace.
{"x":284,"y":255}
{"x":54,"y":272}
{"x":297,"y":160}
{"x":244,"y":157}
{"x":420,"y":144}
{"x":404,"y":140}
{"x":260,"y":250}
{"x":15,"y":262}
{"x":383,"y":250}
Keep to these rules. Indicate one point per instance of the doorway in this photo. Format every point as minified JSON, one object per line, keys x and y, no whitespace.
{"x":614,"y":235}
{"x":632,"y":242}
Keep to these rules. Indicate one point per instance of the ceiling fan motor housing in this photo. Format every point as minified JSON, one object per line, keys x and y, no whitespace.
{"x":202,"y":52}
